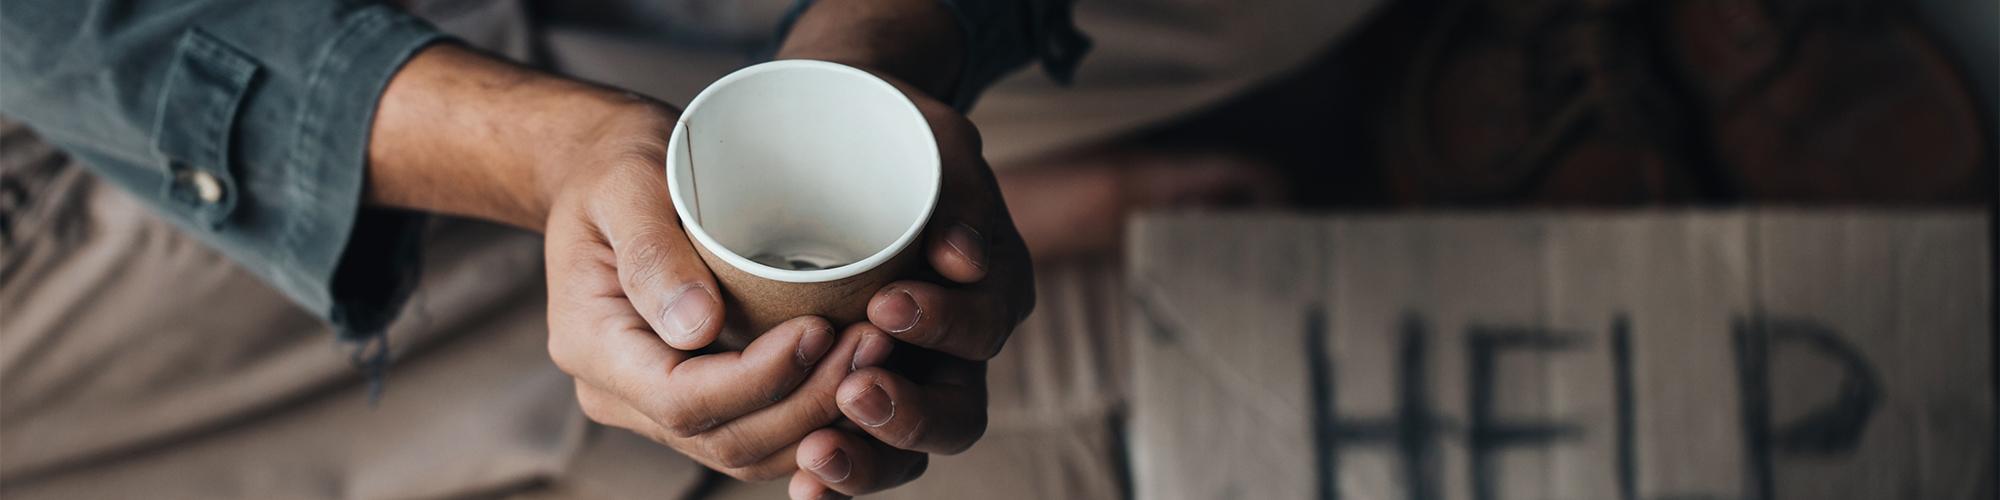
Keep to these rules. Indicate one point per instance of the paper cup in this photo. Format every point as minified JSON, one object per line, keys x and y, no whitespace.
{"x":804,"y":185}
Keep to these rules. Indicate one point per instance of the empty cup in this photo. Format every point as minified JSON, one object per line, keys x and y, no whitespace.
{"x":804,"y":185}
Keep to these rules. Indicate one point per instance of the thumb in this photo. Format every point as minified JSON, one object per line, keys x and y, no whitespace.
{"x":663,"y":277}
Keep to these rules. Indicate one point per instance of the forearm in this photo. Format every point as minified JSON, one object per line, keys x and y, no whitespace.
{"x":461,"y":132}
{"x":917,"y":41}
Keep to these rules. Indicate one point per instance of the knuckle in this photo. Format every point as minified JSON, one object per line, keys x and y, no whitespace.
{"x":568,"y":348}
{"x":595,"y":411}
{"x":994,"y":343}
{"x":806,"y":324}
{"x":736,"y":459}
{"x":1024,"y":304}
{"x":642,"y":261}
{"x":562,"y":354}
{"x":680,"y":425}
{"x":954,"y":448}
{"x":825,"y":408}
{"x":976,"y":429}
{"x":643,"y":155}
{"x":652,"y":433}
{"x":956,"y":127}
{"x":770,"y":470}
{"x":916,"y":469}
{"x":751,"y":474}
{"x":774,"y":393}
{"x":728,"y":450}
{"x":766,"y":392}
{"x":934,"y":325}
{"x":744,"y":475}
{"x":772,"y":384}
{"x":582,"y":258}
{"x":912,"y":437}
{"x":996,"y":328}
{"x":921,"y":335}
{"x":678,"y":422}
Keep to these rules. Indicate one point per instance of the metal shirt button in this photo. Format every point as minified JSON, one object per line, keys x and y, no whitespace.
{"x":206,"y":187}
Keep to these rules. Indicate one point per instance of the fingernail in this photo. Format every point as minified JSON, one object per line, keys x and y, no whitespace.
{"x":899,"y":313}
{"x":832,"y":468}
{"x":814,"y":344}
{"x":687,"y":312}
{"x":872,"y":407}
{"x":968,"y":243}
{"x":873,"y":351}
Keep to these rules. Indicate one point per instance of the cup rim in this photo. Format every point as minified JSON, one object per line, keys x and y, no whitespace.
{"x":676,"y":143}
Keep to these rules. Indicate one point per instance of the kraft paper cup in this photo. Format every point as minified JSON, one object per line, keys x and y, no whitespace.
{"x":804,"y":185}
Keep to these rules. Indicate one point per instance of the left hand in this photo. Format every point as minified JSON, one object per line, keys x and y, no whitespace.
{"x":935,"y":399}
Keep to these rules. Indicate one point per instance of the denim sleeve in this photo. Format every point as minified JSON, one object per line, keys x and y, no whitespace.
{"x":1000,"y":37}
{"x":245,"y":122}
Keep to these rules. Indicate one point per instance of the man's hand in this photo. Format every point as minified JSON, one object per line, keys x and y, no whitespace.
{"x":459,"y":132}
{"x":932,"y":398}
{"x":628,"y":300}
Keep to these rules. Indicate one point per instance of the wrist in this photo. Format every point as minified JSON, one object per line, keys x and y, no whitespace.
{"x":592,"y":132}
{"x":916,"y":41}
{"x":464,"y":133}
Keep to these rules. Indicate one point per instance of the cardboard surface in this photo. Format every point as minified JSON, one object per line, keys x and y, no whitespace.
{"x":1726,"y":355}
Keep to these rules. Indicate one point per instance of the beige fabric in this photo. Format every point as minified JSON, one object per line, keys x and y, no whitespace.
{"x":137,"y":361}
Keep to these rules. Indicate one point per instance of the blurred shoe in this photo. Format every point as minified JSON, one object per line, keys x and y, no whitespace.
{"x":1827,"y":101}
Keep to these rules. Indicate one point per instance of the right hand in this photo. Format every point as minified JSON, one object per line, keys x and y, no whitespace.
{"x":629,"y":300}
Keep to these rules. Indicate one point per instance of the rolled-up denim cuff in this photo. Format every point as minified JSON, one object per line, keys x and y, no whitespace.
{"x":359,"y":288}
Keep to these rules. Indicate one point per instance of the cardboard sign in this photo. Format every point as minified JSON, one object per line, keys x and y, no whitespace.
{"x":1708,"y":355}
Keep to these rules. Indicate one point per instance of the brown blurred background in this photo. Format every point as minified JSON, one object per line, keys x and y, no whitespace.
{"x":1628,"y":103}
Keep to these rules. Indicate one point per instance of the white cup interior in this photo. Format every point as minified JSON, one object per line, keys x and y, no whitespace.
{"x":803,"y":171}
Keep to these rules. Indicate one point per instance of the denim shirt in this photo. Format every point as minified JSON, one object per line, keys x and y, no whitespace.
{"x":246,"y":122}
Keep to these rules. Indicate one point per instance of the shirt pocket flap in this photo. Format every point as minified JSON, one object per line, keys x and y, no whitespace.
{"x":204,"y":89}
